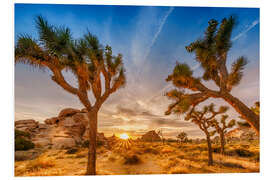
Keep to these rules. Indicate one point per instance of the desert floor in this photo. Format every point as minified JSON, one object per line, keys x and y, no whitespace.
{"x":145,"y":158}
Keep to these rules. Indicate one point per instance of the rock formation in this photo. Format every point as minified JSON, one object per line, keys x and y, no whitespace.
{"x":241,"y":134}
{"x":68,"y":129}
{"x":151,"y":136}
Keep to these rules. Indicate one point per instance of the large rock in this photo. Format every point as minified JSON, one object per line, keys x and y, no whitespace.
{"x":52,"y":120}
{"x":151,"y":136}
{"x":28,"y":125}
{"x":241,"y":134}
{"x":68,"y":112}
{"x":27,"y":155}
{"x":69,"y":129}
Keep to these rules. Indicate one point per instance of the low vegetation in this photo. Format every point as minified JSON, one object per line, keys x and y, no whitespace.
{"x":146,"y":158}
{"x":22,"y":141}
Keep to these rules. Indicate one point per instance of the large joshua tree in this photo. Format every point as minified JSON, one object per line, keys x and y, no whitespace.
{"x":203,"y":119}
{"x":221,"y":128}
{"x":211,"y":52}
{"x":56,"y":50}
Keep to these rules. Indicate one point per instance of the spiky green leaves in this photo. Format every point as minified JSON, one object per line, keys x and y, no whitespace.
{"x":211,"y":52}
{"x":182,"y":77}
{"x":55,"y":40}
{"x":27,"y":51}
{"x":223,"y":36}
{"x":236,"y":73}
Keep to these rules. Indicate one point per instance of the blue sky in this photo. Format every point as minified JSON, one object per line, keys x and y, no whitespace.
{"x":151,"y":40}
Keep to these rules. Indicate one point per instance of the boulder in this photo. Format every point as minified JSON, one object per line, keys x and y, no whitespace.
{"x":68,"y":112}
{"x":151,"y":136}
{"x":27,"y":155}
{"x":69,"y":129}
{"x":63,"y":142}
{"x":28,"y":125}
{"x":53,"y":120}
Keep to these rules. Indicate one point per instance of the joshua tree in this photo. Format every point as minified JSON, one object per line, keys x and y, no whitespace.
{"x":203,"y":119}
{"x":85,"y":58}
{"x":255,"y":109}
{"x":160,"y":133}
{"x":221,"y":128}
{"x":182,"y":137}
{"x":211,"y":53}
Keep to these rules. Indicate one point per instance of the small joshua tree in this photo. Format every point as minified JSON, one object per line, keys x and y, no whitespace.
{"x":182,"y":137}
{"x":160,"y":133}
{"x":203,"y":119}
{"x":56,"y":50}
{"x":211,"y":53}
{"x":221,"y":128}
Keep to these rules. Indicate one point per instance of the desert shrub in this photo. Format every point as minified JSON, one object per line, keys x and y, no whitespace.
{"x":244,"y":153}
{"x":232,"y":165}
{"x":216,"y":149}
{"x":85,"y":143}
{"x":71,"y":151}
{"x":39,"y":163}
{"x":23,"y":144}
{"x":132,"y":159}
{"x":19,"y":133}
{"x":100,"y":143}
{"x":167,"y":150}
{"x":112,"y":158}
{"x":21,"y":141}
{"x":151,"y":150}
{"x":80,"y":156}
{"x":239,"y":152}
{"x":256,"y":157}
{"x":179,"y":170}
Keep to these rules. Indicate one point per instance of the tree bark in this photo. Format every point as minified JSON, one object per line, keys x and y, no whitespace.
{"x":91,"y":164}
{"x":210,"y":152}
{"x":245,"y":112}
{"x":222,"y":143}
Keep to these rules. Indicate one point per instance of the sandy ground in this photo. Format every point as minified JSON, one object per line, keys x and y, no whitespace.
{"x":150,"y":158}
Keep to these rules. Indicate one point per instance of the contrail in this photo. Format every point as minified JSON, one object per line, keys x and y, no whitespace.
{"x":254,"y":23}
{"x":162,"y":22}
{"x":158,"y":31}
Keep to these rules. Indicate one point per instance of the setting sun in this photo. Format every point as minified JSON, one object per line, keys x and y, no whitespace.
{"x":124,"y":136}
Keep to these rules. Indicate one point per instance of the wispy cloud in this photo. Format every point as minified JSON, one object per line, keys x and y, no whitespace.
{"x":253,"y":24}
{"x":162,"y":22}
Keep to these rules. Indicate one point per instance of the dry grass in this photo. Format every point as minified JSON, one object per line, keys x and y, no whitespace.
{"x":145,"y":158}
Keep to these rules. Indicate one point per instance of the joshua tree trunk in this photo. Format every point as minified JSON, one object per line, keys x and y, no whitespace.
{"x":91,"y":164}
{"x":245,"y":112}
{"x":210,"y":154}
{"x":222,"y":143}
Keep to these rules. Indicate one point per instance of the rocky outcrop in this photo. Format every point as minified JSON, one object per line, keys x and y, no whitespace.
{"x":69,"y":129}
{"x":151,"y":136}
{"x":68,"y":112}
{"x":241,"y":134}
{"x":28,"y":125}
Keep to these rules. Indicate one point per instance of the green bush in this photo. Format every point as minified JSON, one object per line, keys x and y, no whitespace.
{"x":86,"y":143}
{"x":132,"y":159}
{"x":71,"y":151}
{"x":244,"y":153}
{"x":19,"y":133}
{"x":151,"y":150}
{"x":23,"y":144}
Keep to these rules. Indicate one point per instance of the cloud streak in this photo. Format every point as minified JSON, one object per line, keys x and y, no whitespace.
{"x":163,"y":21}
{"x":254,"y":23}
